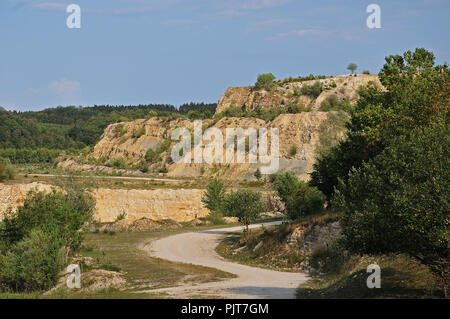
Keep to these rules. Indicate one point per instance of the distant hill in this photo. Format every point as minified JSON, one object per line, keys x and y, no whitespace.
{"x":77,"y":127}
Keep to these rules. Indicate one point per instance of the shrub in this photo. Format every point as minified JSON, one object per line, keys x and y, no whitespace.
{"x":143,"y":166}
{"x":213,"y":199}
{"x":36,"y":238}
{"x":258,"y":174}
{"x":152,"y":113}
{"x":6,"y":171}
{"x":33,"y":264}
{"x":150,"y":156}
{"x":265,"y":81}
{"x":119,"y":130}
{"x":294,"y":108}
{"x":299,"y":198}
{"x":163,"y":169}
{"x":293,"y":150}
{"x":312,"y":90}
{"x":139,"y":132}
{"x":366,"y":72}
{"x":117,"y":163}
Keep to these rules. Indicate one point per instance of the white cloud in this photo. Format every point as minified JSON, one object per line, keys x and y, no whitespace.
{"x":260,"y":4}
{"x":258,"y":26}
{"x":50,"y":6}
{"x":304,"y":33}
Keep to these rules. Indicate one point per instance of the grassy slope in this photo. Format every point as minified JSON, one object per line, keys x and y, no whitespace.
{"x":341,"y":277}
{"x":124,"y":251}
{"x":401,"y":277}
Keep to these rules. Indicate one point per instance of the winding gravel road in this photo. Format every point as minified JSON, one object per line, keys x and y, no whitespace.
{"x":199,"y":248}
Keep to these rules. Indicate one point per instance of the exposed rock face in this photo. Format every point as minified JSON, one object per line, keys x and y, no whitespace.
{"x":177,"y":204}
{"x":343,"y":86}
{"x":299,"y":134}
{"x":114,"y":144}
{"x":300,"y":131}
{"x":12,"y":195}
{"x":308,"y":239}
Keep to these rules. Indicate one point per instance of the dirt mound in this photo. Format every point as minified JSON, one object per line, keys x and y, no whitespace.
{"x":92,"y":281}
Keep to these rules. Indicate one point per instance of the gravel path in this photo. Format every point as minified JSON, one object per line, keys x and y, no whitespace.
{"x":199,"y":248}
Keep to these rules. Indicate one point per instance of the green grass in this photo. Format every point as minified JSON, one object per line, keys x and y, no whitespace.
{"x":401,"y":277}
{"x":123,"y":251}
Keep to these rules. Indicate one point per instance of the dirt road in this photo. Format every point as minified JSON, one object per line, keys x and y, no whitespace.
{"x":199,"y":248}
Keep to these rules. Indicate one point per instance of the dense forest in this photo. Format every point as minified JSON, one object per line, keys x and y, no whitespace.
{"x":77,"y":127}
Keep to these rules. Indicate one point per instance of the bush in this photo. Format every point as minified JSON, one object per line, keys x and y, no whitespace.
{"x":331,"y":102}
{"x":36,"y":237}
{"x":119,"y":163}
{"x":265,"y":81}
{"x":312,"y":90}
{"x":120,"y":130}
{"x":299,"y":198}
{"x":150,"y":156}
{"x":143,"y":166}
{"x":139,"y":132}
{"x":293,"y":150}
{"x":213,"y":199}
{"x":163,"y":170}
{"x":6,"y":171}
{"x":258,"y":174}
{"x":33,"y":264}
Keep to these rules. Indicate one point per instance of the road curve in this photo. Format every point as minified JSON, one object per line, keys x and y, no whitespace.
{"x":199,"y":248}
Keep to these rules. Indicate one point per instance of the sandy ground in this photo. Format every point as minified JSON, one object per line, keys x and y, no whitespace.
{"x":199,"y":248}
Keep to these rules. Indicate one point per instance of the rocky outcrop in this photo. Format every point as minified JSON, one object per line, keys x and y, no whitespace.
{"x":308,"y":238}
{"x":180,"y":205}
{"x":343,"y":86}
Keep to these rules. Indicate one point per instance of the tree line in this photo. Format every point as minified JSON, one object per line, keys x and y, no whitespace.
{"x":77,"y":127}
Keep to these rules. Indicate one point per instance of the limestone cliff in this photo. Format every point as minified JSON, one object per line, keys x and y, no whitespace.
{"x":180,"y":205}
{"x":299,"y":137}
{"x":176,"y":204}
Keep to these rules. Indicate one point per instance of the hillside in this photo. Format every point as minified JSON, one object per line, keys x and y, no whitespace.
{"x":307,"y":125}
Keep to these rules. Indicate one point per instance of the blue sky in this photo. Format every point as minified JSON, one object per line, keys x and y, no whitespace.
{"x":176,"y":51}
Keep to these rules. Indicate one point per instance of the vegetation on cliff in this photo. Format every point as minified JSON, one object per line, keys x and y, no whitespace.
{"x":37,"y":238}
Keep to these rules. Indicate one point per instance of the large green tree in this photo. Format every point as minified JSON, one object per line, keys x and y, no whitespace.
{"x":244,"y":204}
{"x":415,"y":94}
{"x":398,"y":202}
